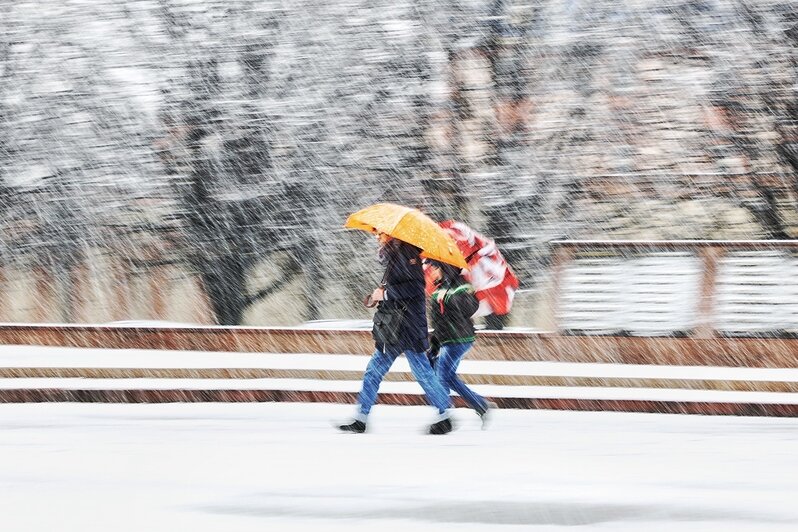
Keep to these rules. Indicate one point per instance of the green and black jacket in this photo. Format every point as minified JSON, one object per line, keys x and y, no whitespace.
{"x":451,"y":308}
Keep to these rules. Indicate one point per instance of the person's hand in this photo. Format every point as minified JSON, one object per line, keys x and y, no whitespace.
{"x":378,"y":294}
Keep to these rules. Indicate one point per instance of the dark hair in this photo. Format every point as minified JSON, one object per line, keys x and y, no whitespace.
{"x":450,"y":273}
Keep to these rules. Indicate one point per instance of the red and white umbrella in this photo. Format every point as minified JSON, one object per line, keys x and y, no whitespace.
{"x":490,"y":275}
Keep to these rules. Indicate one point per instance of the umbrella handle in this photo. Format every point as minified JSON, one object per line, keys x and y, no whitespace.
{"x":369,"y":302}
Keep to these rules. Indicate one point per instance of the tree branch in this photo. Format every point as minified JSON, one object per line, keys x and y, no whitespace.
{"x":284,"y":279}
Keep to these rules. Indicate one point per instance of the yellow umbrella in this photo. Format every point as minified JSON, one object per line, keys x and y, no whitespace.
{"x":411,"y":226}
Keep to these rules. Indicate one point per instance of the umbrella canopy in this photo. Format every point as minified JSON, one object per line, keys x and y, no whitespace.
{"x":493,"y":280}
{"x":411,"y":226}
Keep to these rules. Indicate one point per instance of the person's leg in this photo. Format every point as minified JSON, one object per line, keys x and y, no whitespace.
{"x":378,"y":366}
{"x":437,"y":394}
{"x":449,"y":359}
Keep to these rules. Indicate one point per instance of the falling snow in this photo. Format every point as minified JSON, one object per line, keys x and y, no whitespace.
{"x":221,"y":145}
{"x":179,"y":163}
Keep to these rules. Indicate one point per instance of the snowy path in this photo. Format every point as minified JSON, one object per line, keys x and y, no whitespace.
{"x":248,"y":467}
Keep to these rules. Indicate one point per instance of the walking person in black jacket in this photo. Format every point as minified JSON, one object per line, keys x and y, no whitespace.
{"x":451,"y":306}
{"x":400,"y":326}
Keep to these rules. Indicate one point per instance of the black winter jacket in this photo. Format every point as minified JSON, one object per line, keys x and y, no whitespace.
{"x":404,"y":287}
{"x":451,"y":306}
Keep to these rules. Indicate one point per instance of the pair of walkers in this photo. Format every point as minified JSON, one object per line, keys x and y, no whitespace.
{"x":400,"y":327}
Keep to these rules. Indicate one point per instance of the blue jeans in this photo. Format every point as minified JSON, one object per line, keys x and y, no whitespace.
{"x":381,"y":362}
{"x":449,"y":358}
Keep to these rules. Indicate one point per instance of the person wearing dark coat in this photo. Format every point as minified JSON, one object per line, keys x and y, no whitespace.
{"x":452,"y":304}
{"x":402,"y":292}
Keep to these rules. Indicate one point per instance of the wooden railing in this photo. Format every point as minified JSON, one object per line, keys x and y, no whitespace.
{"x":763,"y":352}
{"x":41,"y":375}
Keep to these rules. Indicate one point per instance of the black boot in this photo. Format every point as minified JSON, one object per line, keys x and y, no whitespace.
{"x":356,"y":426}
{"x":444,"y":426}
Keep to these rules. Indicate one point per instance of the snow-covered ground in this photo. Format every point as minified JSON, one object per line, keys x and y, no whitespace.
{"x":281,"y":466}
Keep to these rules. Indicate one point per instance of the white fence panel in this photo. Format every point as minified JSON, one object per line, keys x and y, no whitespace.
{"x":790,"y":293}
{"x":647,"y":295}
{"x":756,"y":292}
{"x":591,"y":296}
{"x":662,"y":291}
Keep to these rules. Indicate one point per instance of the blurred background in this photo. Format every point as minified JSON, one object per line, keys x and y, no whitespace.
{"x":194,"y":161}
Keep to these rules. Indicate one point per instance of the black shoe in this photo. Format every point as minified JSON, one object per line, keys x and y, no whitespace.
{"x":356,"y":427}
{"x":444,"y":426}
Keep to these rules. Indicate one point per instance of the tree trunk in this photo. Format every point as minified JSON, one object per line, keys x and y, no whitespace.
{"x":225,"y":282}
{"x":313,"y":286}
